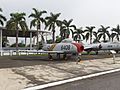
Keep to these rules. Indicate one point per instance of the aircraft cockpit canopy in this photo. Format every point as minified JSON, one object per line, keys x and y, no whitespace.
{"x":68,"y":40}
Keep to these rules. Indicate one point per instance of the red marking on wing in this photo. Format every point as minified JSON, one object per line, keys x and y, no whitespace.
{"x":79,"y":46}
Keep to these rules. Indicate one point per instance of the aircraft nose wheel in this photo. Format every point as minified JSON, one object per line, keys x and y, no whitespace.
{"x":78,"y":59}
{"x":64,"y":56}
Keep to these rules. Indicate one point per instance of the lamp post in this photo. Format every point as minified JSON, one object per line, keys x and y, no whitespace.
{"x":0,"y":42}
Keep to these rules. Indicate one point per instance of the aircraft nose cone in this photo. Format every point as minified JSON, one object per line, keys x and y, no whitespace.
{"x":79,"y":46}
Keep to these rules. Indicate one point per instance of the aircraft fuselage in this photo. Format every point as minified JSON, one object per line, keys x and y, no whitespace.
{"x":66,"y":47}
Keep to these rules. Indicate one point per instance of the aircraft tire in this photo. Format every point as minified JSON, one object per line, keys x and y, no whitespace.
{"x":117,"y":51}
{"x":88,"y":52}
{"x":49,"y":56}
{"x":78,"y":60}
{"x":64,"y":56}
{"x":58,"y":56}
{"x":96,"y":52}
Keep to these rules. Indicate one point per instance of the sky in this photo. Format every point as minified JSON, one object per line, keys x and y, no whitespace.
{"x":83,"y":12}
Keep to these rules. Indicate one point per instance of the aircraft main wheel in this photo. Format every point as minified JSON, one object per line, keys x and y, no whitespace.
{"x":96,"y":52}
{"x":78,"y":60}
{"x":65,"y":56}
{"x":117,"y":51}
{"x":49,"y":56}
{"x":58,"y":56}
{"x":88,"y":52}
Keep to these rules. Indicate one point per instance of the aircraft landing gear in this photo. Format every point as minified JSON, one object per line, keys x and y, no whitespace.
{"x":88,"y":52}
{"x":96,"y":52}
{"x":49,"y":56}
{"x":117,"y":51}
{"x":58,"y":56}
{"x":64,"y":56}
{"x":79,"y":59}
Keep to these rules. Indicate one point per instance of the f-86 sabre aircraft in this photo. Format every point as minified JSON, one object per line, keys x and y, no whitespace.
{"x":103,"y":46}
{"x":66,"y":46}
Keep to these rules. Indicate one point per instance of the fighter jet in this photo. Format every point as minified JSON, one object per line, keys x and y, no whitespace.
{"x":66,"y":46}
{"x":103,"y":46}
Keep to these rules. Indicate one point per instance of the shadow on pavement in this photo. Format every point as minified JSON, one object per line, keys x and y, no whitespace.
{"x":20,"y":61}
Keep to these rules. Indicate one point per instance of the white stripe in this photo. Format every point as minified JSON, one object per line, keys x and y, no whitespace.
{"x":70,"y":80}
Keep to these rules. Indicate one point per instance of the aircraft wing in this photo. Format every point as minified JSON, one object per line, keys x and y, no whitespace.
{"x":41,"y":51}
{"x":92,"y":47}
{"x":112,"y":51}
{"x":87,"y":48}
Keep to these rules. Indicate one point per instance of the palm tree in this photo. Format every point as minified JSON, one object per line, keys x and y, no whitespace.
{"x":104,"y":32}
{"x":89,"y":33}
{"x":17,"y":22}
{"x":69,"y":27}
{"x":96,"y":39}
{"x":36,"y":22}
{"x":2,"y":18}
{"x":116,"y":34}
{"x":113,"y":35}
{"x":78,"y":34}
{"x":52,"y":22}
{"x":62,"y":32}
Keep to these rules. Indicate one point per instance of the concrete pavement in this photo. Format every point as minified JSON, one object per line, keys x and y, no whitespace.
{"x":104,"y":82}
{"x":16,"y":78}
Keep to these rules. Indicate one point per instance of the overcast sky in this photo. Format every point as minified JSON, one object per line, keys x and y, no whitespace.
{"x":83,"y":12}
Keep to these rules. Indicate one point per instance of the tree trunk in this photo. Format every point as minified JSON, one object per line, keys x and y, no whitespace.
{"x":53,"y":36}
{"x":112,"y":38}
{"x":25,"y":41}
{"x":37,"y":40}
{"x":118,"y":38}
{"x":61,"y":37}
{"x":90,"y":39}
{"x":104,"y":38}
{"x":17,"y":32}
{"x":64,"y":35}
{"x":38,"y":28}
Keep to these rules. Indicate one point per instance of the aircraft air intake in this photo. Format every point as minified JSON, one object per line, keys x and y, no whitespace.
{"x":79,"y":46}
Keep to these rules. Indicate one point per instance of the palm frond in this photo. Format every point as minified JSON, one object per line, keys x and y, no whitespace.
{"x":35,"y":10}
{"x":87,"y":36}
{"x":42,"y":20}
{"x":59,"y":23}
{"x":41,"y":12}
{"x":32,"y":15}
{"x":3,"y":17}
{"x":99,"y":36}
{"x":73,"y":26}
{"x":0,"y":9}
{"x":1,"y":22}
{"x":33,"y":23}
{"x":70,"y":21}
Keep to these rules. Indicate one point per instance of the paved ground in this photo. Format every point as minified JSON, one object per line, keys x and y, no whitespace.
{"x":104,"y":82}
{"x":24,"y":71}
